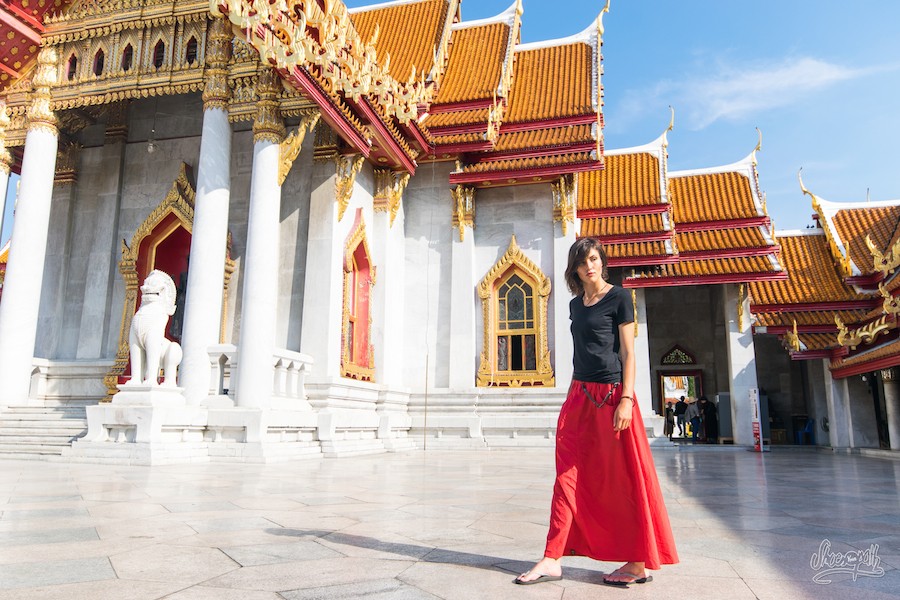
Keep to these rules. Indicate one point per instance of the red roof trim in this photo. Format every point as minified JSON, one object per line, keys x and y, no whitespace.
{"x":9,"y":70}
{"x":412,"y":130}
{"x":535,"y":175}
{"x":480,"y":146}
{"x":724,"y":224}
{"x":642,"y":261}
{"x":35,"y":24}
{"x":385,"y":138}
{"x":538,"y":151}
{"x":301,"y":79}
{"x":548,"y":123}
{"x":812,"y":354}
{"x":436,"y":109}
{"x":866,"y":281}
{"x":648,"y":282}
{"x":816,"y":306}
{"x":476,"y":127}
{"x":30,"y":31}
{"x":782,"y":329}
{"x":876,"y":365}
{"x":728,"y":253}
{"x":623,"y":211}
{"x":635,"y":238}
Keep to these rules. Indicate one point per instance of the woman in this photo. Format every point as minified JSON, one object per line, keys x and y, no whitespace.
{"x":710,"y":420}
{"x":607,"y":502}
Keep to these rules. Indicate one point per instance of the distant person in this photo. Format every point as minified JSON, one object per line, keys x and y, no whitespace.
{"x":607,"y":503}
{"x":680,"y":407}
{"x":670,"y":420}
{"x":710,"y":415}
{"x":692,"y":416}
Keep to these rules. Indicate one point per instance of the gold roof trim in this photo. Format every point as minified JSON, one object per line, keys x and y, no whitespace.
{"x":887,"y":262}
{"x":838,"y":253}
{"x":862,"y":335}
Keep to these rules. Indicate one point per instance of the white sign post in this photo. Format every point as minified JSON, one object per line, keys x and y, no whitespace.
{"x":756,"y":420}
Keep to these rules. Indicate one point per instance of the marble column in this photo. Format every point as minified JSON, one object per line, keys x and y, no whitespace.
{"x":891,"y":380}
{"x":206,"y":266}
{"x":741,"y":362}
{"x":259,"y":269}
{"x":464,"y":303}
{"x":643,"y":373}
{"x":25,"y":269}
{"x":564,"y":235}
{"x":837,"y":398}
{"x":389,"y":257}
{"x":5,"y":163}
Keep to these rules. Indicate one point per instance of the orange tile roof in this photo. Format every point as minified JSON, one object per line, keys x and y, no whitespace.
{"x":812,"y":276}
{"x":819,"y":317}
{"x":630,"y":224}
{"x":544,"y":137}
{"x":529,"y":163}
{"x":889,"y":349}
{"x":720,"y":266}
{"x":626,"y":180}
{"x":711,"y":197}
{"x":853,"y":225}
{"x":819,"y":341}
{"x":461,"y":138}
{"x":462,"y":117}
{"x":410,"y":33}
{"x":636,"y":249}
{"x":720,"y":239}
{"x":552,"y":82}
{"x":475,"y":65}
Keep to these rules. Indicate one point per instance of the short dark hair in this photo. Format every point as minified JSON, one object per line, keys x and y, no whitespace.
{"x":578,"y":253}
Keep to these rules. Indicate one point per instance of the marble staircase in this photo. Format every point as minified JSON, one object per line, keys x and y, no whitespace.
{"x":41,"y":431}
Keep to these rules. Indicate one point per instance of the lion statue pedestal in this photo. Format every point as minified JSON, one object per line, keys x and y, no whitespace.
{"x":150,"y":349}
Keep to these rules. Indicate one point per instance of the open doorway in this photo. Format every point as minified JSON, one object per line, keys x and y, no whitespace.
{"x":674,"y":384}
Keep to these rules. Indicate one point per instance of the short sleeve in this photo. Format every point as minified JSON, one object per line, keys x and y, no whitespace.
{"x":625,"y":310}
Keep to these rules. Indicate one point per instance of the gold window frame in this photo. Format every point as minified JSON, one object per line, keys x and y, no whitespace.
{"x":349,"y":368}
{"x":514,"y":260}
{"x":179,"y":202}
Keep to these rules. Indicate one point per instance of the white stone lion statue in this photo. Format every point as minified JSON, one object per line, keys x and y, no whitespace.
{"x":147,"y":341}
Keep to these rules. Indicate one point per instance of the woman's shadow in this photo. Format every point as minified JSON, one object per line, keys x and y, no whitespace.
{"x":432,"y":554}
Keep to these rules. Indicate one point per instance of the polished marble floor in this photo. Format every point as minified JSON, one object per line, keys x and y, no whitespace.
{"x":436,"y":525}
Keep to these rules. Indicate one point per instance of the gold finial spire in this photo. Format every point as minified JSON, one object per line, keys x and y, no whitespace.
{"x":600,"y":29}
{"x":672,"y":120}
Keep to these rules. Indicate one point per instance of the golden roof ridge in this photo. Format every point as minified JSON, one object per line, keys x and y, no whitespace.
{"x":507,"y":17}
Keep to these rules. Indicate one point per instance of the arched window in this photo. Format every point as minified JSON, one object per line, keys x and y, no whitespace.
{"x":99,"y":59}
{"x":127,"y":58}
{"x":72,"y":68}
{"x":190,"y":52}
{"x":159,"y":54}
{"x":514,"y":297}
{"x":357,"y":355}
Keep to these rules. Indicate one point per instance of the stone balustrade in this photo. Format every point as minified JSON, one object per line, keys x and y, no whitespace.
{"x":289,"y":375}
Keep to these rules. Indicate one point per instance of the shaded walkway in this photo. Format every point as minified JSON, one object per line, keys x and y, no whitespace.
{"x":452,"y":525}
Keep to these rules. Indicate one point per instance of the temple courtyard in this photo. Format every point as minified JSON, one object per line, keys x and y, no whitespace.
{"x":437,"y":524}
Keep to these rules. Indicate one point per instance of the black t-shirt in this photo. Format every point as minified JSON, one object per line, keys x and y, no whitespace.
{"x":595,"y":333}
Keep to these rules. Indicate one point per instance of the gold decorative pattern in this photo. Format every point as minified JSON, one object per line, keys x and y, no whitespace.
{"x":463,"y":209}
{"x":117,"y":121}
{"x":326,"y":142}
{"x":891,"y":303}
{"x":179,"y":202}
{"x":347,"y":167}
{"x":865,"y":334}
{"x":67,"y":163}
{"x":389,"y":187}
{"x":290,"y":147}
{"x":514,"y":259}
{"x":5,"y":156}
{"x":348,"y":367}
{"x":565,"y":198}
{"x":740,"y":308}
{"x":290,"y":33}
{"x":841,"y":259}
{"x":792,"y":340}
{"x":40,"y":115}
{"x":218,"y":52}
{"x":268,"y":125}
{"x":635,"y":309}
{"x":884,"y":263}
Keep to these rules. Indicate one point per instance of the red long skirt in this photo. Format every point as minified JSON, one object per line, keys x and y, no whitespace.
{"x":607,"y":503}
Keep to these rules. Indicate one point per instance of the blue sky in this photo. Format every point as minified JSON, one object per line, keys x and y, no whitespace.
{"x":821,"y":79}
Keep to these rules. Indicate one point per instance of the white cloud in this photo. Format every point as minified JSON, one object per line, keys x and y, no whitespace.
{"x":733,"y":92}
